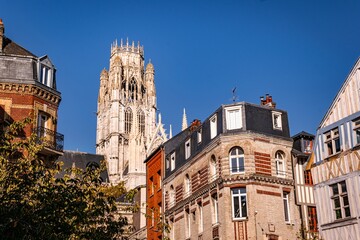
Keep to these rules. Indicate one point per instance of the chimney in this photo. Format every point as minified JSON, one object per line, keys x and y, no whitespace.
{"x":267,"y":101}
{"x":2,"y":31}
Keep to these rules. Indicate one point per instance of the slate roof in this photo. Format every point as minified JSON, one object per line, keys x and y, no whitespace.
{"x":303,"y":134}
{"x":12,"y":48}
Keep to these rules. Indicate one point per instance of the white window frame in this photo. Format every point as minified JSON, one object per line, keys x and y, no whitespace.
{"x":277,"y":120}
{"x":286,"y":207}
{"x":199,"y":135}
{"x":280,"y":164}
{"x":167,"y":162}
{"x":213,"y":167}
{"x":215,"y":209}
{"x":46,"y":75}
{"x":172,"y":161}
{"x":340,"y":200}
{"x":233,"y":117}
{"x":188,"y":223}
{"x":187,"y":184}
{"x":356,"y":129}
{"x":187,"y":148}
{"x":241,"y":193}
{"x":239,"y":154}
{"x":201,"y":218}
{"x":332,"y":141}
{"x":213,"y":126}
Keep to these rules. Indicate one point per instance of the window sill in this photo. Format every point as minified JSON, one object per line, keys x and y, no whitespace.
{"x":235,"y":173}
{"x":240,"y":219}
{"x":340,"y":222}
{"x":332,"y":155}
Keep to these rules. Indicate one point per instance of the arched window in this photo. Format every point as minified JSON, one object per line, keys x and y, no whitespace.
{"x":133,"y":89}
{"x":128,"y":120}
{"x":236,"y":158}
{"x":280,"y":164}
{"x":171,"y":196}
{"x":187,"y":185}
{"x":141,"y":122}
{"x":123,"y":88}
{"x":213,"y":170}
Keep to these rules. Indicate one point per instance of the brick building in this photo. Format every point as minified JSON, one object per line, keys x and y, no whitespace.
{"x":230,"y":177}
{"x":28,"y":89}
{"x":154,"y":194}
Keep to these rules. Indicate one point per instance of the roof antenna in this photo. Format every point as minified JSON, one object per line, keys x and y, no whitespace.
{"x":234,"y":97}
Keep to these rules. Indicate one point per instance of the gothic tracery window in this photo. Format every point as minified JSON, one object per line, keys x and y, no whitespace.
{"x":128,"y":120}
{"x":133,"y":89}
{"x":141,"y":122}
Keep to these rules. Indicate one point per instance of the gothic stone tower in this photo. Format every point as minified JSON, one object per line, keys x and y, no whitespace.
{"x":126,"y":116}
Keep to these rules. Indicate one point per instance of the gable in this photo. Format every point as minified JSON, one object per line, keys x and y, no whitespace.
{"x":346,"y":102}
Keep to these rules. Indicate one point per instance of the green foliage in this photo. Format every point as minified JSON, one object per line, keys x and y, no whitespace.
{"x":36,"y":205}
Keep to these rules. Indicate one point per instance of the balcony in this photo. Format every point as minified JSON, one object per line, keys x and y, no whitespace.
{"x":51,"y":140}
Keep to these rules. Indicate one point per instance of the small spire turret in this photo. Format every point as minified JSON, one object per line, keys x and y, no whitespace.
{"x":184,"y":122}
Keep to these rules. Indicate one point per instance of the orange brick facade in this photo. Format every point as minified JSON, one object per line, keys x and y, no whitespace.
{"x":154,"y":173}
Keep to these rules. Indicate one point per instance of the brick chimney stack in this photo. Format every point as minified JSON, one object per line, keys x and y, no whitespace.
{"x":2,"y":31}
{"x":267,"y":101}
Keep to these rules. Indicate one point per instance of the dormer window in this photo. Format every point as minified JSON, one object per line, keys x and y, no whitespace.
{"x":46,"y":76}
{"x":276,"y":119}
{"x":213,"y":126}
{"x":233,"y":118}
{"x":187,"y":149}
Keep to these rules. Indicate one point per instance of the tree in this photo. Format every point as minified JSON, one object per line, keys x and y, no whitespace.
{"x":34,"y":204}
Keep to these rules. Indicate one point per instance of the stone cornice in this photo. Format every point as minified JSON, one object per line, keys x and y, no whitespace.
{"x":31,"y":89}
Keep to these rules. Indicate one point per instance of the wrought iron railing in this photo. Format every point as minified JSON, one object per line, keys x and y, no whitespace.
{"x":49,"y":138}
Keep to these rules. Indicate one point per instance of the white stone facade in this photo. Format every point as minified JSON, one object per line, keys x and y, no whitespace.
{"x":126,"y":118}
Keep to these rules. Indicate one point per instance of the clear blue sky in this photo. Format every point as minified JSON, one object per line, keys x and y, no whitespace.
{"x":300,"y":52}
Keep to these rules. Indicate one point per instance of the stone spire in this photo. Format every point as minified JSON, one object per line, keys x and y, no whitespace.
{"x":170,"y":134}
{"x":2,"y":31}
{"x":184,"y":122}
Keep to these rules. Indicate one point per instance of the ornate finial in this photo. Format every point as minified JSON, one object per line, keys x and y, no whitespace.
{"x":170,"y":134}
{"x":127,"y":41}
{"x":121,"y":42}
{"x":184,"y":122}
{"x":159,"y":118}
{"x":234,"y":95}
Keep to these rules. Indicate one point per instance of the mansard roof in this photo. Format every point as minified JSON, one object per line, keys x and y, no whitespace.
{"x":12,"y":48}
{"x":303,"y":134}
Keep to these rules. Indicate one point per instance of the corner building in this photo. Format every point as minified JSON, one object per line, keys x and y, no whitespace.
{"x":28,"y":89}
{"x":126,"y":118}
{"x":230,"y":177}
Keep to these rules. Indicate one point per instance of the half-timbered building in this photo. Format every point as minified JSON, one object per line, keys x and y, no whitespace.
{"x":336,"y":166}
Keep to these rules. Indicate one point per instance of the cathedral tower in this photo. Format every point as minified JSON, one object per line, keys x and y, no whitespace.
{"x":126,"y":117}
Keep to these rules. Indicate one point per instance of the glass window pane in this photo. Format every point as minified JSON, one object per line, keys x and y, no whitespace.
{"x":234,"y":167}
{"x":236,"y":207}
{"x":337,"y":145}
{"x":335,"y":189}
{"x":241,"y":164}
{"x":346,"y":201}
{"x":338,"y":213}
{"x":243,"y":206}
{"x":347,"y":212}
{"x":337,"y":202}
{"x":343,"y":187}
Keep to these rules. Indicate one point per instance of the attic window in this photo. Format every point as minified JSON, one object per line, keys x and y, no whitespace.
{"x":46,"y":76}
{"x":187,"y":149}
{"x":233,"y":118}
{"x":277,"y":121}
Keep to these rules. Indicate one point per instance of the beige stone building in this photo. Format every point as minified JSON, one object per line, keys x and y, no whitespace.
{"x":230,"y":177}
